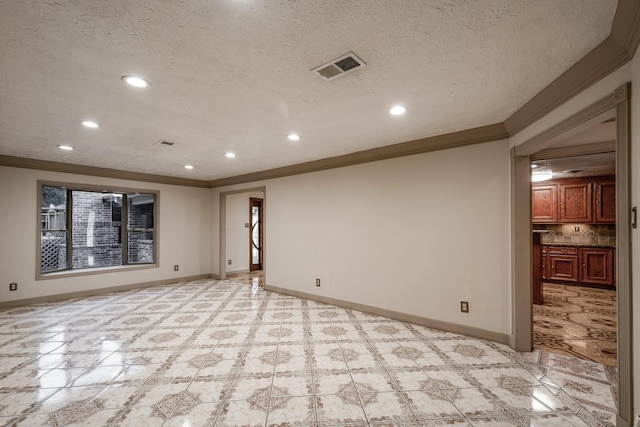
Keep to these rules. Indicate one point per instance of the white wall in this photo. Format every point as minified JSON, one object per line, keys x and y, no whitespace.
{"x":237,"y":214}
{"x":184,"y":222}
{"x":416,"y":234}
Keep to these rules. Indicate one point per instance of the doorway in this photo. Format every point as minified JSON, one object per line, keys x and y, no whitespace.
{"x":615,"y":105}
{"x":234,"y":226}
{"x":573,"y":217}
{"x":255,"y":234}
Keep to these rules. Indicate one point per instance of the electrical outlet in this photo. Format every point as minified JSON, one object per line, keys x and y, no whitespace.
{"x":576,"y":228}
{"x":229,"y":262}
{"x":317,"y":282}
{"x":13,"y":286}
{"x":176,"y":267}
{"x":464,"y":306}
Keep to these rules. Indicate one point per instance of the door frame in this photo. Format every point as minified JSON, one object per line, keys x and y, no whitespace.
{"x":252,"y":200}
{"x":222,"y":249}
{"x":616,"y":104}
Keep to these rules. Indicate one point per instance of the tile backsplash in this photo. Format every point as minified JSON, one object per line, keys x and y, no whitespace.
{"x":587,"y":234}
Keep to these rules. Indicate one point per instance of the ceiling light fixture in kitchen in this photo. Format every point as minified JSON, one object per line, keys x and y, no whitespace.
{"x":189,"y":167}
{"x":90,"y":124}
{"x":229,"y":155}
{"x":398,"y":110}
{"x":543,"y":175}
{"x":293,"y":137}
{"x":136,"y":81}
{"x":65,"y":147}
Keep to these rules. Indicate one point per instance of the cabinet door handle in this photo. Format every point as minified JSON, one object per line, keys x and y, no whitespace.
{"x":634,"y":217}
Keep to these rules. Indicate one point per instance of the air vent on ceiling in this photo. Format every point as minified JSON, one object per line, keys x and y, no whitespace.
{"x":339,"y":66}
{"x":165,"y":143}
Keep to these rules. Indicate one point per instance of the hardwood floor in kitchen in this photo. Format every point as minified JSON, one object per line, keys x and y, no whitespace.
{"x":577,"y":321}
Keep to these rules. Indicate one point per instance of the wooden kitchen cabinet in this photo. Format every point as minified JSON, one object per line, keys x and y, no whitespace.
{"x":604,"y":206}
{"x":544,"y":201}
{"x":596,"y":266}
{"x":577,"y":265}
{"x":575,"y":202}
{"x":563,"y":263}
{"x":589,"y":200}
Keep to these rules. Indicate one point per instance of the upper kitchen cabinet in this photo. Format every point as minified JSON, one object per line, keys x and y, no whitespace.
{"x":544,"y":204}
{"x":604,"y":208}
{"x":575,"y":202}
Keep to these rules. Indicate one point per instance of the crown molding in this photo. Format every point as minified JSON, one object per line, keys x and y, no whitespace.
{"x":605,"y":58}
{"x":21,"y":162}
{"x":615,"y":51}
{"x":423,"y":145}
{"x":585,"y":116}
{"x":612,"y":53}
{"x":626,"y":25}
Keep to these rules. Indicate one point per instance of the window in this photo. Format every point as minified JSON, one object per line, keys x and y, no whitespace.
{"x":83,"y":229}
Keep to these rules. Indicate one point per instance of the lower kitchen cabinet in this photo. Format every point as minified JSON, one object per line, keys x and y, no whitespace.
{"x":596,"y":266}
{"x":577,"y":265}
{"x":563,"y":263}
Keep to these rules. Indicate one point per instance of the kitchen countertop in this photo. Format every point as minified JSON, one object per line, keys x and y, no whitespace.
{"x":579,"y":245}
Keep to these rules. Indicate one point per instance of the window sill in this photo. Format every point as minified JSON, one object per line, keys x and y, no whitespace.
{"x":93,"y":271}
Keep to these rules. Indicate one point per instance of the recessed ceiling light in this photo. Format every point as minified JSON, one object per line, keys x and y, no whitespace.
{"x":294,"y":137}
{"x":135,"y":81}
{"x":188,"y":167}
{"x":65,"y":147}
{"x":90,"y":124}
{"x":229,"y":155}
{"x":398,"y":110}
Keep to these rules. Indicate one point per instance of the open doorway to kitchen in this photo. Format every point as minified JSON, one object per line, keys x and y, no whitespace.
{"x":242,"y":213}
{"x":613,"y":106}
{"x":574,"y":238}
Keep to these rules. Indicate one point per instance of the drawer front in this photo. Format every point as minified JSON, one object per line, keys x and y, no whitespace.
{"x":563,"y":250}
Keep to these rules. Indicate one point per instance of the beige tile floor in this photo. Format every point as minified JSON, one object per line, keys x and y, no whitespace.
{"x":223,"y":353}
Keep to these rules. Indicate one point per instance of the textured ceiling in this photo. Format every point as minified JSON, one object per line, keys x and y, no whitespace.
{"x":578,"y":166}
{"x":234,"y":75}
{"x":582,"y":165}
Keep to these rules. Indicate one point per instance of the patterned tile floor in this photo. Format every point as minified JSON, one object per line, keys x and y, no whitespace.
{"x":221,"y":353}
{"x":577,"y":321}
{"x":254,"y":278}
